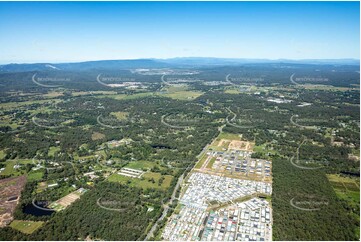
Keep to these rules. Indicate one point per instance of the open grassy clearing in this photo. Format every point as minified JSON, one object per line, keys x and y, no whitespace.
{"x":97,"y":135}
{"x":6,"y":121}
{"x":140,"y":165}
{"x":223,"y":137}
{"x":346,"y":188}
{"x":27,"y":227}
{"x":53,"y":94}
{"x":184,"y":95}
{"x":35,"y":175}
{"x":88,"y":157}
{"x":175,"y":88}
{"x":13,"y":105}
{"x":180,"y":93}
{"x":211,"y":162}
{"x":52,"y":150}
{"x":76,"y":94}
{"x":232,"y":91}
{"x":43,"y":110}
{"x":224,"y":144}
{"x":228,"y":136}
{"x":9,"y":168}
{"x":263,"y":150}
{"x":101,"y":153}
{"x":120,"y":115}
{"x":341,"y":179}
{"x":201,"y":161}
{"x":143,"y":182}
{"x":216,"y":148}
{"x":125,"y":96}
{"x":327,"y":87}
{"x":41,"y":187}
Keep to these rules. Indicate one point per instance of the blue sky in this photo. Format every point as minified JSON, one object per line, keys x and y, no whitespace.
{"x":78,"y":31}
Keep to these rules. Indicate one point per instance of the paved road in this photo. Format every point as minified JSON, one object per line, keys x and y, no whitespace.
{"x":297,"y":159}
{"x":293,"y":81}
{"x":166,"y":208}
{"x":301,"y":126}
{"x":235,"y":125}
{"x":172,"y":126}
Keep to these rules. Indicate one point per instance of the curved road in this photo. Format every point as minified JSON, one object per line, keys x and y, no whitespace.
{"x":299,"y":125}
{"x":235,"y":125}
{"x":297,"y":158}
{"x":291,"y":79}
{"x":172,"y":126}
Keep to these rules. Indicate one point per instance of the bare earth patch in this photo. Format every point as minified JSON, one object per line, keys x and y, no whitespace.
{"x":96,"y":136}
{"x":10,"y":191}
{"x":241,"y":145}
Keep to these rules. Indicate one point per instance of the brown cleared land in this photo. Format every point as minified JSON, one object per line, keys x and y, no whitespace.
{"x":10,"y":191}
{"x":97,"y":135}
{"x":241,"y":145}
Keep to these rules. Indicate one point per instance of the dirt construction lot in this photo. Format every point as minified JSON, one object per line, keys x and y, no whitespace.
{"x":241,"y":145}
{"x":236,"y":144}
{"x":223,"y":142}
{"x":10,"y":190}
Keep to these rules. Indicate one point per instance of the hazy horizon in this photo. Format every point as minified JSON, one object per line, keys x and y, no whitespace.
{"x":185,"y":57}
{"x":57,"y":32}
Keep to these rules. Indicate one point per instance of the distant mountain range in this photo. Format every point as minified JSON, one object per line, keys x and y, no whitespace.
{"x":164,"y":63}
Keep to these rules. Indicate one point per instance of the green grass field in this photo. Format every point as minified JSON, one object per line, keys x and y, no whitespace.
{"x":125,"y":96}
{"x":183,"y":95}
{"x":211,"y":162}
{"x":12,"y":105}
{"x":56,"y":207}
{"x":175,"y":92}
{"x":35,"y":175}
{"x":27,"y":227}
{"x":53,"y":94}
{"x":201,"y":161}
{"x":216,"y":148}
{"x":263,"y":150}
{"x":143,"y":183}
{"x":52,"y":150}
{"x":228,"y":136}
{"x":82,"y":93}
{"x":180,"y":93}
{"x":120,"y":115}
{"x":346,"y":188}
{"x":45,"y":109}
{"x":6,"y":121}
{"x":140,"y":165}
{"x":326,"y":87}
{"x":9,"y":168}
